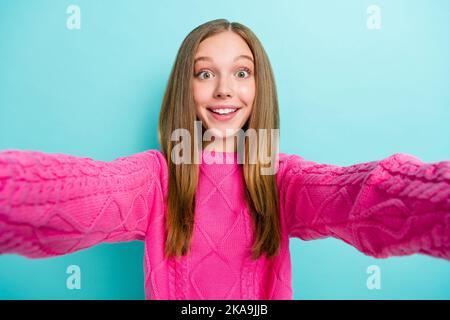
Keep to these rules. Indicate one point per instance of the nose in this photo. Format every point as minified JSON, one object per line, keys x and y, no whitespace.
{"x":223,"y":89}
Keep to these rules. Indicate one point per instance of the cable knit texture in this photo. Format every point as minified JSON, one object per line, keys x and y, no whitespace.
{"x":55,"y":204}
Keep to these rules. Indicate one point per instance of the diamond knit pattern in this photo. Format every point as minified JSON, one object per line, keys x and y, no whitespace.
{"x":396,"y":206}
{"x":56,"y":204}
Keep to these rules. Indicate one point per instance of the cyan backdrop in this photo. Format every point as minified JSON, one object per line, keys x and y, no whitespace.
{"x":347,"y":94}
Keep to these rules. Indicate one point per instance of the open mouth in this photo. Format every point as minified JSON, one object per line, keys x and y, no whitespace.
{"x":224,"y":111}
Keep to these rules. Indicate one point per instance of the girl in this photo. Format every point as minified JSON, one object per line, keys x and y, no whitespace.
{"x":220,"y":229}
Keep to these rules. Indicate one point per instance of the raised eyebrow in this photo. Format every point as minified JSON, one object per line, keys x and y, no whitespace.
{"x":202,"y":59}
{"x":242,"y":56}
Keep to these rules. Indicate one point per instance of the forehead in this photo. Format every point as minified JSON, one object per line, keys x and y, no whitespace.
{"x":223,"y":47}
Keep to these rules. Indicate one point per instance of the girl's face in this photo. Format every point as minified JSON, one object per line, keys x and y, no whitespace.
{"x":224,"y":82}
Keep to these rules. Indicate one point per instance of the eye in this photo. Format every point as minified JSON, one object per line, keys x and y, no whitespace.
{"x":199,"y":74}
{"x":242,"y":72}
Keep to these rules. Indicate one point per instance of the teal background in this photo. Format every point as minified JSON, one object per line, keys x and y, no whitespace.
{"x":347,"y":94}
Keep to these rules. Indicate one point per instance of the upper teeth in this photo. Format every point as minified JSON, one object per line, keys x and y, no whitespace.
{"x":223,"y":111}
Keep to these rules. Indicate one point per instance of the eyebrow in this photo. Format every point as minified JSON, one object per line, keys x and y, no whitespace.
{"x":242,"y":56}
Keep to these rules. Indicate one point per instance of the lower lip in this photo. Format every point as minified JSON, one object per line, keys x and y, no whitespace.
{"x":223,"y":117}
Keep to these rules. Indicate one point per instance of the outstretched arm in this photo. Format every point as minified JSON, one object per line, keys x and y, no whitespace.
{"x":55,"y":204}
{"x":392,"y":207}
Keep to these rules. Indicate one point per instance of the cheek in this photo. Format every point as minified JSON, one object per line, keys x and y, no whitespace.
{"x":247,"y":93}
{"x":201,"y":92}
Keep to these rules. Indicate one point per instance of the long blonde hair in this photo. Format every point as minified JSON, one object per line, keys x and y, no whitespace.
{"x":178,"y":111}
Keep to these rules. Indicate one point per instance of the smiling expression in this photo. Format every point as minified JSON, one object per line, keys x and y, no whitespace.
{"x":223,"y":83}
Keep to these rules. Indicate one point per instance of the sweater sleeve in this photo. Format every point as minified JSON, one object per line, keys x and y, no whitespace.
{"x":392,"y":207}
{"x":55,"y":204}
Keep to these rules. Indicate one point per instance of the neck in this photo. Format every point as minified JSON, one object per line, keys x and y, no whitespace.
{"x":220,"y":145}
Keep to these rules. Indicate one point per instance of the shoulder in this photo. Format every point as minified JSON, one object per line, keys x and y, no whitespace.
{"x":157,"y":165}
{"x":286,"y":162}
{"x":157,"y":158}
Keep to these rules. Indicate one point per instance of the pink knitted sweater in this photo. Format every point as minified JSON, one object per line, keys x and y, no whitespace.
{"x":55,"y":204}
